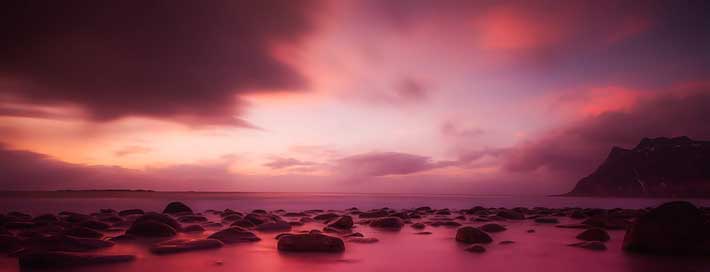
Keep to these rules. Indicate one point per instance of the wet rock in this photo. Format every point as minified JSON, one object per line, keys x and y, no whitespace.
{"x":573,"y":226}
{"x":212,"y":225}
{"x":19,"y":225}
{"x":131,"y":212}
{"x":363,"y":240}
{"x":83,"y":232}
{"x":506,"y":242}
{"x":294,"y":214}
{"x":423,"y":233}
{"x":373,"y":214}
{"x":93,"y":224}
{"x":232,"y":218}
{"x":65,"y":243}
{"x":182,"y":245}
{"x":357,"y":234}
{"x":674,"y":228}
{"x":150,"y":228}
{"x":55,"y":260}
{"x":310,"y":243}
{"x":492,"y":228}
{"x":547,"y":220}
{"x":475,"y":249}
{"x":530,"y":231}
{"x":234,"y":235}
{"x":345,"y":222}
{"x":282,"y":235}
{"x":46,"y":218}
{"x":606,"y":222}
{"x":72,"y":217}
{"x":177,"y":207}
{"x":594,"y":235}
{"x":193,"y":228}
{"x":446,"y":224}
{"x":122,"y":238}
{"x":162,"y":218}
{"x":192,"y":219}
{"x":9,"y":243}
{"x":243,"y":224}
{"x":326,"y":216}
{"x":510,"y":214}
{"x":418,"y":226}
{"x":393,"y":223}
{"x":471,"y":235}
{"x":274,"y":226}
{"x":591,"y":245}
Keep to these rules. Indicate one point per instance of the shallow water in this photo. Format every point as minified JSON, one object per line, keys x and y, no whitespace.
{"x":544,"y":250}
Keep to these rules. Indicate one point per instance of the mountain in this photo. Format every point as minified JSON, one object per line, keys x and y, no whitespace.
{"x":658,"y":167}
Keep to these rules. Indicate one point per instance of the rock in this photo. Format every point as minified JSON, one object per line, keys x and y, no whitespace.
{"x":65,"y":243}
{"x":177,"y":207}
{"x":162,"y":218}
{"x":374,"y":214}
{"x":606,"y":222}
{"x":74,"y":217}
{"x":274,"y":226}
{"x":393,"y":223}
{"x":130,"y":212}
{"x":326,"y":216}
{"x":212,"y":225}
{"x":547,"y":220}
{"x":446,"y":224}
{"x":423,"y":233}
{"x":344,"y":222}
{"x":506,"y":242}
{"x":594,"y":235}
{"x":530,"y":231}
{"x":192,"y":219}
{"x":150,"y":228}
{"x":573,"y":226}
{"x":471,"y":235}
{"x":9,"y":243}
{"x":510,"y":214}
{"x":363,"y":240}
{"x":282,"y":235}
{"x":55,"y":260}
{"x":242,"y":223}
{"x":357,"y":234}
{"x":193,"y":228}
{"x":232,"y":218}
{"x":46,"y":218}
{"x":93,"y":224}
{"x":83,"y":232}
{"x":591,"y":245}
{"x":19,"y":225}
{"x":674,"y":228}
{"x":310,"y":243}
{"x":234,"y":235}
{"x":475,"y":249}
{"x":418,"y":226}
{"x":492,"y":228}
{"x":182,"y":245}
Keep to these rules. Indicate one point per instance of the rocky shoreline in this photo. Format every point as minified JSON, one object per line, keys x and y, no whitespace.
{"x":70,"y":239}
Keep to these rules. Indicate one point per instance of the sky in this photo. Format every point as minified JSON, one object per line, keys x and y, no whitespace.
{"x":450,"y":97}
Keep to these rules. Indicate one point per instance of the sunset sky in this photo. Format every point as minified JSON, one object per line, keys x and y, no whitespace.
{"x":470,"y":97}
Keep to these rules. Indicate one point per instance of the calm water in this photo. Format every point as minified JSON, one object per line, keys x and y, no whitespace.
{"x":544,"y":250}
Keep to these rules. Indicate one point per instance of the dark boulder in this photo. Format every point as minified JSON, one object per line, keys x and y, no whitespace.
{"x":374,"y":214}
{"x":182,"y":245}
{"x":193,"y":228}
{"x":547,"y":220}
{"x":363,"y":240}
{"x":177,"y":207}
{"x":344,"y":222}
{"x":326,"y":216}
{"x":393,"y":223}
{"x":83,"y":232}
{"x":150,"y":228}
{"x":310,"y":243}
{"x":492,"y":228}
{"x":65,"y":243}
{"x":274,"y":226}
{"x":93,"y":224}
{"x":191,"y":218}
{"x":234,"y":235}
{"x":162,"y":218}
{"x":9,"y":243}
{"x":591,"y":245}
{"x":475,"y":249}
{"x":471,"y":235}
{"x":510,"y":214}
{"x":674,"y":228}
{"x":130,"y":212}
{"x":594,"y":235}
{"x":418,"y":226}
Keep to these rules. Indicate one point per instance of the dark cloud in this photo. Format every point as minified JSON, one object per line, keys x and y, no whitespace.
{"x":580,"y":147}
{"x":181,"y":60}
{"x":281,"y":163}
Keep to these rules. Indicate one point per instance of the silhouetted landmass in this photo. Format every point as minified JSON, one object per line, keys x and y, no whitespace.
{"x":659,"y":167}
{"x":107,"y":190}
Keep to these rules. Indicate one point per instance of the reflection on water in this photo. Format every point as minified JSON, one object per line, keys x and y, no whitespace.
{"x":544,"y":250}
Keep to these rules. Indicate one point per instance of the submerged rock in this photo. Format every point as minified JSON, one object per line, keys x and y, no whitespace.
{"x":423,"y":233}
{"x":674,"y":228}
{"x":594,"y":235}
{"x":418,"y":226}
{"x":234,"y":235}
{"x":591,"y":245}
{"x":547,"y":220}
{"x":492,"y":228}
{"x":274,"y":226}
{"x":162,"y":218}
{"x":150,"y":228}
{"x":193,"y":228}
{"x":182,"y":245}
{"x":475,"y":249}
{"x":83,"y":232}
{"x":471,"y":235}
{"x":130,"y":212}
{"x":56,"y":260}
{"x":177,"y":207}
{"x":345,"y":222}
{"x":393,"y":223}
{"x":363,"y":240}
{"x":310,"y":243}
